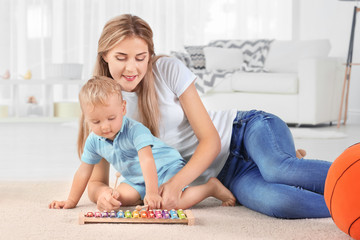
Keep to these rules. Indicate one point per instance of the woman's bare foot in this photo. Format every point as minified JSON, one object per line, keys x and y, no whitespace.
{"x":300,"y":153}
{"x":221,"y":192}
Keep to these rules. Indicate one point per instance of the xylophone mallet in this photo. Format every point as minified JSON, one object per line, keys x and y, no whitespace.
{"x":117,"y":177}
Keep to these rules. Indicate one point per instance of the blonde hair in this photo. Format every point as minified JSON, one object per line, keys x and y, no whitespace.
{"x":95,"y":92}
{"x":115,"y":31}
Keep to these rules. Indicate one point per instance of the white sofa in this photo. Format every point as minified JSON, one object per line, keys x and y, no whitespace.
{"x":297,"y":81}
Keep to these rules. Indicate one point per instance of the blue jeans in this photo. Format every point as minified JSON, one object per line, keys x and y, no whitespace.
{"x":265,"y":175}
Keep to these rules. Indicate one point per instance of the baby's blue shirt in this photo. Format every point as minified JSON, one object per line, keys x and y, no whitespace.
{"x":122,"y":153}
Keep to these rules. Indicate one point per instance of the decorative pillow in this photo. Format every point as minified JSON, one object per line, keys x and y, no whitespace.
{"x":223,"y":58}
{"x":197,"y":56}
{"x":184,"y":57}
{"x":254,"y":52}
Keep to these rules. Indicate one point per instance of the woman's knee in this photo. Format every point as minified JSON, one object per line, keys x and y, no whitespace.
{"x":276,"y":171}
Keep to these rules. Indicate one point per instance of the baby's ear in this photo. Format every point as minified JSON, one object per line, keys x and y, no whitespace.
{"x":124,"y":106}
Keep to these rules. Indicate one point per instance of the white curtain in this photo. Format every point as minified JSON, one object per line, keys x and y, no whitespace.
{"x":35,"y":33}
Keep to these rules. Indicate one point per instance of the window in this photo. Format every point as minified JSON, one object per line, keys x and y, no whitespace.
{"x":38,"y":32}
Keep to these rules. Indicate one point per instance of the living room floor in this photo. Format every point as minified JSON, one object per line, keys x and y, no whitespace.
{"x":39,"y":160}
{"x":47,"y":151}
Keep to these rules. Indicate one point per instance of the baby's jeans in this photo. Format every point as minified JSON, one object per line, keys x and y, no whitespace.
{"x":265,"y":175}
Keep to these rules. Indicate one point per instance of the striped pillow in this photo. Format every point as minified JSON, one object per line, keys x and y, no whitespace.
{"x":197,"y":56}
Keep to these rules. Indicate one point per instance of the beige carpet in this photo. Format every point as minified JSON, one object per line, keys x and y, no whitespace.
{"x":24,"y":213}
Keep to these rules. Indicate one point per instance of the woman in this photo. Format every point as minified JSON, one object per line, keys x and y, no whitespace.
{"x":252,"y":153}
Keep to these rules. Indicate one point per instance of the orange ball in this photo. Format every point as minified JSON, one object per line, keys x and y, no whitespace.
{"x":342,"y":191}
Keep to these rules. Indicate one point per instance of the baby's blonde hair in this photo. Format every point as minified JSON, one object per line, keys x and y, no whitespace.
{"x":96,"y":91}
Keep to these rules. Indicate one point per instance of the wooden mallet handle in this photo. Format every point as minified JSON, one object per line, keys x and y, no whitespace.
{"x":117,"y":177}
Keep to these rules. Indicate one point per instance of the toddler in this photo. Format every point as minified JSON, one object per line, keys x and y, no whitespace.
{"x":144,"y":161}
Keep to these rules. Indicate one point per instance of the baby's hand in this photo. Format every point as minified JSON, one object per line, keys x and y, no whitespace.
{"x":62,"y":204}
{"x":153,"y":200}
{"x":107,"y":201}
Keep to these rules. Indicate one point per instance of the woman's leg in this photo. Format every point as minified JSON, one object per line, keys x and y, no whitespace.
{"x":276,"y":200}
{"x":277,"y":189}
{"x":269,"y":143}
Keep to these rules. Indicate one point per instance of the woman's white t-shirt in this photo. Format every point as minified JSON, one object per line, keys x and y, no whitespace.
{"x":172,"y":78}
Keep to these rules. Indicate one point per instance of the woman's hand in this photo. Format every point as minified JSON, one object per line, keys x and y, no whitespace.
{"x":152,"y":200}
{"x":170,"y":195}
{"x":106,"y":201}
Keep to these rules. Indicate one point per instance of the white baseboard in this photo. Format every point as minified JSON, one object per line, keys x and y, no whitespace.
{"x":353,"y":116}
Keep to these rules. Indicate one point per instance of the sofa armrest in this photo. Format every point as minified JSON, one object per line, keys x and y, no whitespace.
{"x":320,"y":84}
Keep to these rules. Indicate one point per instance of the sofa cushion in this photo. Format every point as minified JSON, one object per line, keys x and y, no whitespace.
{"x":285,"y":83}
{"x":285,"y":55}
{"x":223,"y":58}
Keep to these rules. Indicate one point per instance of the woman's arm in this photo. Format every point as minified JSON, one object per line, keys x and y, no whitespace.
{"x":209,"y":140}
{"x":98,"y":188}
{"x":205,"y":153}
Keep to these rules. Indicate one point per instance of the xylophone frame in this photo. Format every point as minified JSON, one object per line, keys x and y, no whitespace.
{"x":190,"y":219}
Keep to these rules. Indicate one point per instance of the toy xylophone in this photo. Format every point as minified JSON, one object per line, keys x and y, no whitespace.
{"x":143,"y":216}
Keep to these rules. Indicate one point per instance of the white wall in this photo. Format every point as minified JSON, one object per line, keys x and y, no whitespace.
{"x":332,"y":19}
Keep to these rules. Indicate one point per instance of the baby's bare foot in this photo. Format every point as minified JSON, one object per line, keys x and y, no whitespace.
{"x":222,"y":193}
